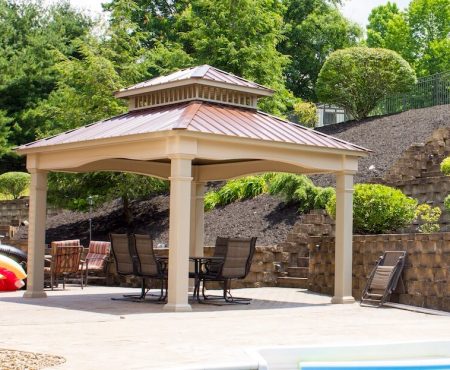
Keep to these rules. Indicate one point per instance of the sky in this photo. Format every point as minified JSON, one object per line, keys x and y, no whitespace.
{"x":356,"y":10}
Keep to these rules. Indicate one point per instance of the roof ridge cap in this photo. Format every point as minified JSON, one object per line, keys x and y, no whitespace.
{"x":187,"y":116}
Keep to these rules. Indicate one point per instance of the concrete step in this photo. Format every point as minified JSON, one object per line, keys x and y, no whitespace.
{"x":292,"y":282}
{"x":301,"y":272}
{"x":303,"y":261}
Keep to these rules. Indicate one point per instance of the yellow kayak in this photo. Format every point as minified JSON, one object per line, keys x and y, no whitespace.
{"x":11,"y":265}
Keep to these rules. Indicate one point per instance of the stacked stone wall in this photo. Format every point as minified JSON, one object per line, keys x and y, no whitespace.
{"x":426,"y":275}
{"x":417,"y":174}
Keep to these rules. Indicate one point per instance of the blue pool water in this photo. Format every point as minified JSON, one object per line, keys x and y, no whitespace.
{"x":418,"y":364}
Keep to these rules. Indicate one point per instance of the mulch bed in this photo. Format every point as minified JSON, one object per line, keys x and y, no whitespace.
{"x":388,"y":137}
{"x":265,"y":217}
{"x":19,"y":360}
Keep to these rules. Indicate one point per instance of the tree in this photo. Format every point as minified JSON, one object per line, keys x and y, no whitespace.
{"x":32,"y":38}
{"x":14,"y":184}
{"x":313,"y":30}
{"x":357,"y":78}
{"x":240,"y":37}
{"x":419,"y":34}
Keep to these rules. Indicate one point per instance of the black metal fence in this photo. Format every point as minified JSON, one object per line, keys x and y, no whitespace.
{"x":429,"y":91}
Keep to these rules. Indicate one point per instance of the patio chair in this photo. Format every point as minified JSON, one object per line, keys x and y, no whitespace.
{"x":383,"y":279}
{"x":235,"y":265}
{"x":96,"y":260}
{"x":65,"y":260}
{"x":147,"y":265}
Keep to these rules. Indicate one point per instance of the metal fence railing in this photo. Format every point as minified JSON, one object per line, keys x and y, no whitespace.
{"x":429,"y":91}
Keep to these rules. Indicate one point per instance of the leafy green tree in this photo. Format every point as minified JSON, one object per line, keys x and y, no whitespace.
{"x":313,"y":30}
{"x":419,"y":34}
{"x":357,"y":78}
{"x":240,"y":37}
{"x":14,"y":184}
{"x":32,"y":38}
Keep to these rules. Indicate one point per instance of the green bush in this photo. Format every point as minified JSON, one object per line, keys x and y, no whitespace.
{"x":428,"y":217}
{"x":378,"y":209}
{"x":357,"y":78}
{"x":323,"y":197}
{"x":445,"y":166}
{"x":14,"y":184}
{"x":233,"y":190}
{"x":294,"y":189}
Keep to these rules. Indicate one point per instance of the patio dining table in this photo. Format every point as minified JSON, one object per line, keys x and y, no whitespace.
{"x":199,"y":261}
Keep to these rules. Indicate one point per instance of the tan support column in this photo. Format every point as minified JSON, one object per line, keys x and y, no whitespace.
{"x":197,"y":219}
{"x":344,"y":239}
{"x":179,"y":233}
{"x":36,"y":234}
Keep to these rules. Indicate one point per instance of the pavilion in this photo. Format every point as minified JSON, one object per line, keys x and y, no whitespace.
{"x":195,"y":125}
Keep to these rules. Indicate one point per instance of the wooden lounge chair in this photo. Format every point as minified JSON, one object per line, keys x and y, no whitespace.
{"x":65,"y":260}
{"x":236,"y":265}
{"x":383,"y":279}
{"x":96,"y":260}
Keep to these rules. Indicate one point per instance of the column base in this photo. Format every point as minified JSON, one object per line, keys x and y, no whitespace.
{"x":342,"y":300}
{"x":172,"y":307}
{"x":38,"y":294}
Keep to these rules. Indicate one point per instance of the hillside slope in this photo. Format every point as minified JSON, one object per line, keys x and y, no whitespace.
{"x":387,"y":136}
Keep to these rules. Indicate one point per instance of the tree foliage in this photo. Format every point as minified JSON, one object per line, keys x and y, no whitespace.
{"x":313,"y":30}
{"x":419,"y":34}
{"x":357,"y":78}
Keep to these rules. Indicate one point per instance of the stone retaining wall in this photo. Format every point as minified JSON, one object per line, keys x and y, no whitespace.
{"x":13,"y":212}
{"x":426,"y":275}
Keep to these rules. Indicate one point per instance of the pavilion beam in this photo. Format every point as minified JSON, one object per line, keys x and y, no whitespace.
{"x":36,"y":234}
{"x":344,"y":239}
{"x":179,"y":233}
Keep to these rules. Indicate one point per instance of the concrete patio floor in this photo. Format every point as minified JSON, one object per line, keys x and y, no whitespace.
{"x":93,"y":332}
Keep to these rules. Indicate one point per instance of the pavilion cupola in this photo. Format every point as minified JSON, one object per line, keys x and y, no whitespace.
{"x":202,"y":83}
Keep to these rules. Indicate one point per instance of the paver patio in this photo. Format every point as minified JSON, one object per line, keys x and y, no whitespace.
{"x":93,"y":332}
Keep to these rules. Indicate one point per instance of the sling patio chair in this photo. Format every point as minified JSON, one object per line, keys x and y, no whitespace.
{"x":383,"y":279}
{"x":65,"y":260}
{"x":148,"y":266}
{"x":96,"y":260}
{"x":130,"y":262}
{"x":235,"y":265}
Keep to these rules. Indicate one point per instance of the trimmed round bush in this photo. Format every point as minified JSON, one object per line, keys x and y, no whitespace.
{"x":14,"y":184}
{"x":445,"y":166}
{"x":378,"y":209}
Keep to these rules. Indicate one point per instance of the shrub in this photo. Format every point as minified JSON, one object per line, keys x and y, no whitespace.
{"x":428,"y":217}
{"x":306,"y":113}
{"x":445,"y":166}
{"x":14,"y":184}
{"x":294,"y":189}
{"x":233,"y":190}
{"x":323,"y":197}
{"x":378,"y":209}
{"x":357,"y":78}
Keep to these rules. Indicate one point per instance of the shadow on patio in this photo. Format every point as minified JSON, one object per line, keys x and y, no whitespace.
{"x":98,"y":300}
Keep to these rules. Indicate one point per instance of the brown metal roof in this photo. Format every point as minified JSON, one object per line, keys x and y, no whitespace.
{"x":204,"y":72}
{"x":199,"y":117}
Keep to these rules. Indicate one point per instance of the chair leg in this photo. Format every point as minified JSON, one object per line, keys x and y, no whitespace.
{"x":64,"y":282}
{"x":51,"y":281}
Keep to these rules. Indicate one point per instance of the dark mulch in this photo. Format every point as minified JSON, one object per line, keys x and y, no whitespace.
{"x":388,"y":137}
{"x":264,"y":216}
